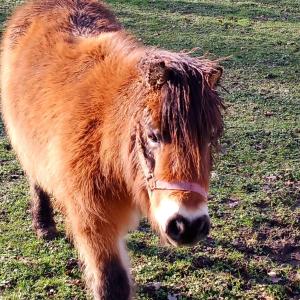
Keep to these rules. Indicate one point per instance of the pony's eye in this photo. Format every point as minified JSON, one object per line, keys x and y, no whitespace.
{"x":153,"y":137}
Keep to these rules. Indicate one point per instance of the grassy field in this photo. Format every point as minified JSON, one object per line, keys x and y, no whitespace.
{"x":253,"y":251}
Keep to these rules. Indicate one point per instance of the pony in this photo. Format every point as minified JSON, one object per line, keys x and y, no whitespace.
{"x":108,"y":130}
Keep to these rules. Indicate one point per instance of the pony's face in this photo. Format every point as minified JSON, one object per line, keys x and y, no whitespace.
{"x":181,"y":216}
{"x":178,"y":126}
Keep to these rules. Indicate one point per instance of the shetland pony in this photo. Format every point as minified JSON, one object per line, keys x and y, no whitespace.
{"x":110,"y":129}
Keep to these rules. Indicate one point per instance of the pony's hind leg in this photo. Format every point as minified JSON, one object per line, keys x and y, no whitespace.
{"x":42,"y":213}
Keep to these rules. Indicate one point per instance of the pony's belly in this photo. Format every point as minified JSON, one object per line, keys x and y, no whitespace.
{"x":40,"y":160}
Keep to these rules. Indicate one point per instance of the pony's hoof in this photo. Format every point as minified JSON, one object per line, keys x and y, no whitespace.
{"x":46,"y":233}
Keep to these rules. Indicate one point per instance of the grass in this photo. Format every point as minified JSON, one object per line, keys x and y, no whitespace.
{"x":253,"y":251}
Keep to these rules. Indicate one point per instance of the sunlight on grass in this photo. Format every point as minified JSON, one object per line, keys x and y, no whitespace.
{"x":255,"y":201}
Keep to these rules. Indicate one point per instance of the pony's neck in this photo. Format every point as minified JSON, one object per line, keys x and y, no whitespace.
{"x":117,"y":83}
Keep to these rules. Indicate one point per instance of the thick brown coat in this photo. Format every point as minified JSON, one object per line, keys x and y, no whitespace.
{"x":74,"y":87}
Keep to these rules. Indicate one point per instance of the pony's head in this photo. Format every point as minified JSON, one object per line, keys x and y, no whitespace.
{"x":179,"y":122}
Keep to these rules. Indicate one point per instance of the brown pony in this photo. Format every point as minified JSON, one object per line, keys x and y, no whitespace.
{"x":111,"y":129}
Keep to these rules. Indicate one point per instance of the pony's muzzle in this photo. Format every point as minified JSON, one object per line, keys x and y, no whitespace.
{"x":181,"y":231}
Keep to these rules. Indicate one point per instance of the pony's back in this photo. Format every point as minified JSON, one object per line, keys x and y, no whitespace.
{"x":53,"y":51}
{"x":75,"y":17}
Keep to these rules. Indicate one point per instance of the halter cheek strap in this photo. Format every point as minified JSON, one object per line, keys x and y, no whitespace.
{"x":153,"y":184}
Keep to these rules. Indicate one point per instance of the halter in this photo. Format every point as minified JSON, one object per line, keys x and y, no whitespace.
{"x":176,"y":186}
{"x":154,"y":184}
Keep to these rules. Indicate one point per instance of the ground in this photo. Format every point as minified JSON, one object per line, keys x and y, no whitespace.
{"x":253,"y":251}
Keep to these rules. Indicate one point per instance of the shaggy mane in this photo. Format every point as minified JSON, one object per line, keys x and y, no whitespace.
{"x":190,"y":106}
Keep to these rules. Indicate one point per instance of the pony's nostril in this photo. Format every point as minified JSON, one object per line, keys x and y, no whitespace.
{"x":201,"y":226}
{"x":176,"y":228}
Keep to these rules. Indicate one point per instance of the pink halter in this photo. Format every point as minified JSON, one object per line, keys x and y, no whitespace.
{"x":176,"y":186}
{"x":153,"y":184}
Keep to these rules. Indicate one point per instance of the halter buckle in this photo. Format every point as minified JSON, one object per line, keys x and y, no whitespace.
{"x":151,"y":182}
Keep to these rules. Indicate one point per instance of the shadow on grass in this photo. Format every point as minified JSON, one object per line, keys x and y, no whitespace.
{"x":247,"y":10}
{"x":5,"y":11}
{"x":240,"y":268}
{"x":164,"y":292}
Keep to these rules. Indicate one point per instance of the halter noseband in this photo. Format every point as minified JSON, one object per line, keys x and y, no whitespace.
{"x":176,"y":186}
{"x":154,"y":184}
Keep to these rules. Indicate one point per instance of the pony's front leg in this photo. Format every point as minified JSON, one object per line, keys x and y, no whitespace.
{"x":100,"y":245}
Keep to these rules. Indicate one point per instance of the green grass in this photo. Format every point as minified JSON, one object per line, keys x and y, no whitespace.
{"x":255,"y":203}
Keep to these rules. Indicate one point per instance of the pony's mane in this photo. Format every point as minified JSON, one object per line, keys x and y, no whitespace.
{"x":190,"y":106}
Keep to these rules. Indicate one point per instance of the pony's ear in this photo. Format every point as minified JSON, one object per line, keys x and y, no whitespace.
{"x":213,"y":76}
{"x":156,"y":73}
